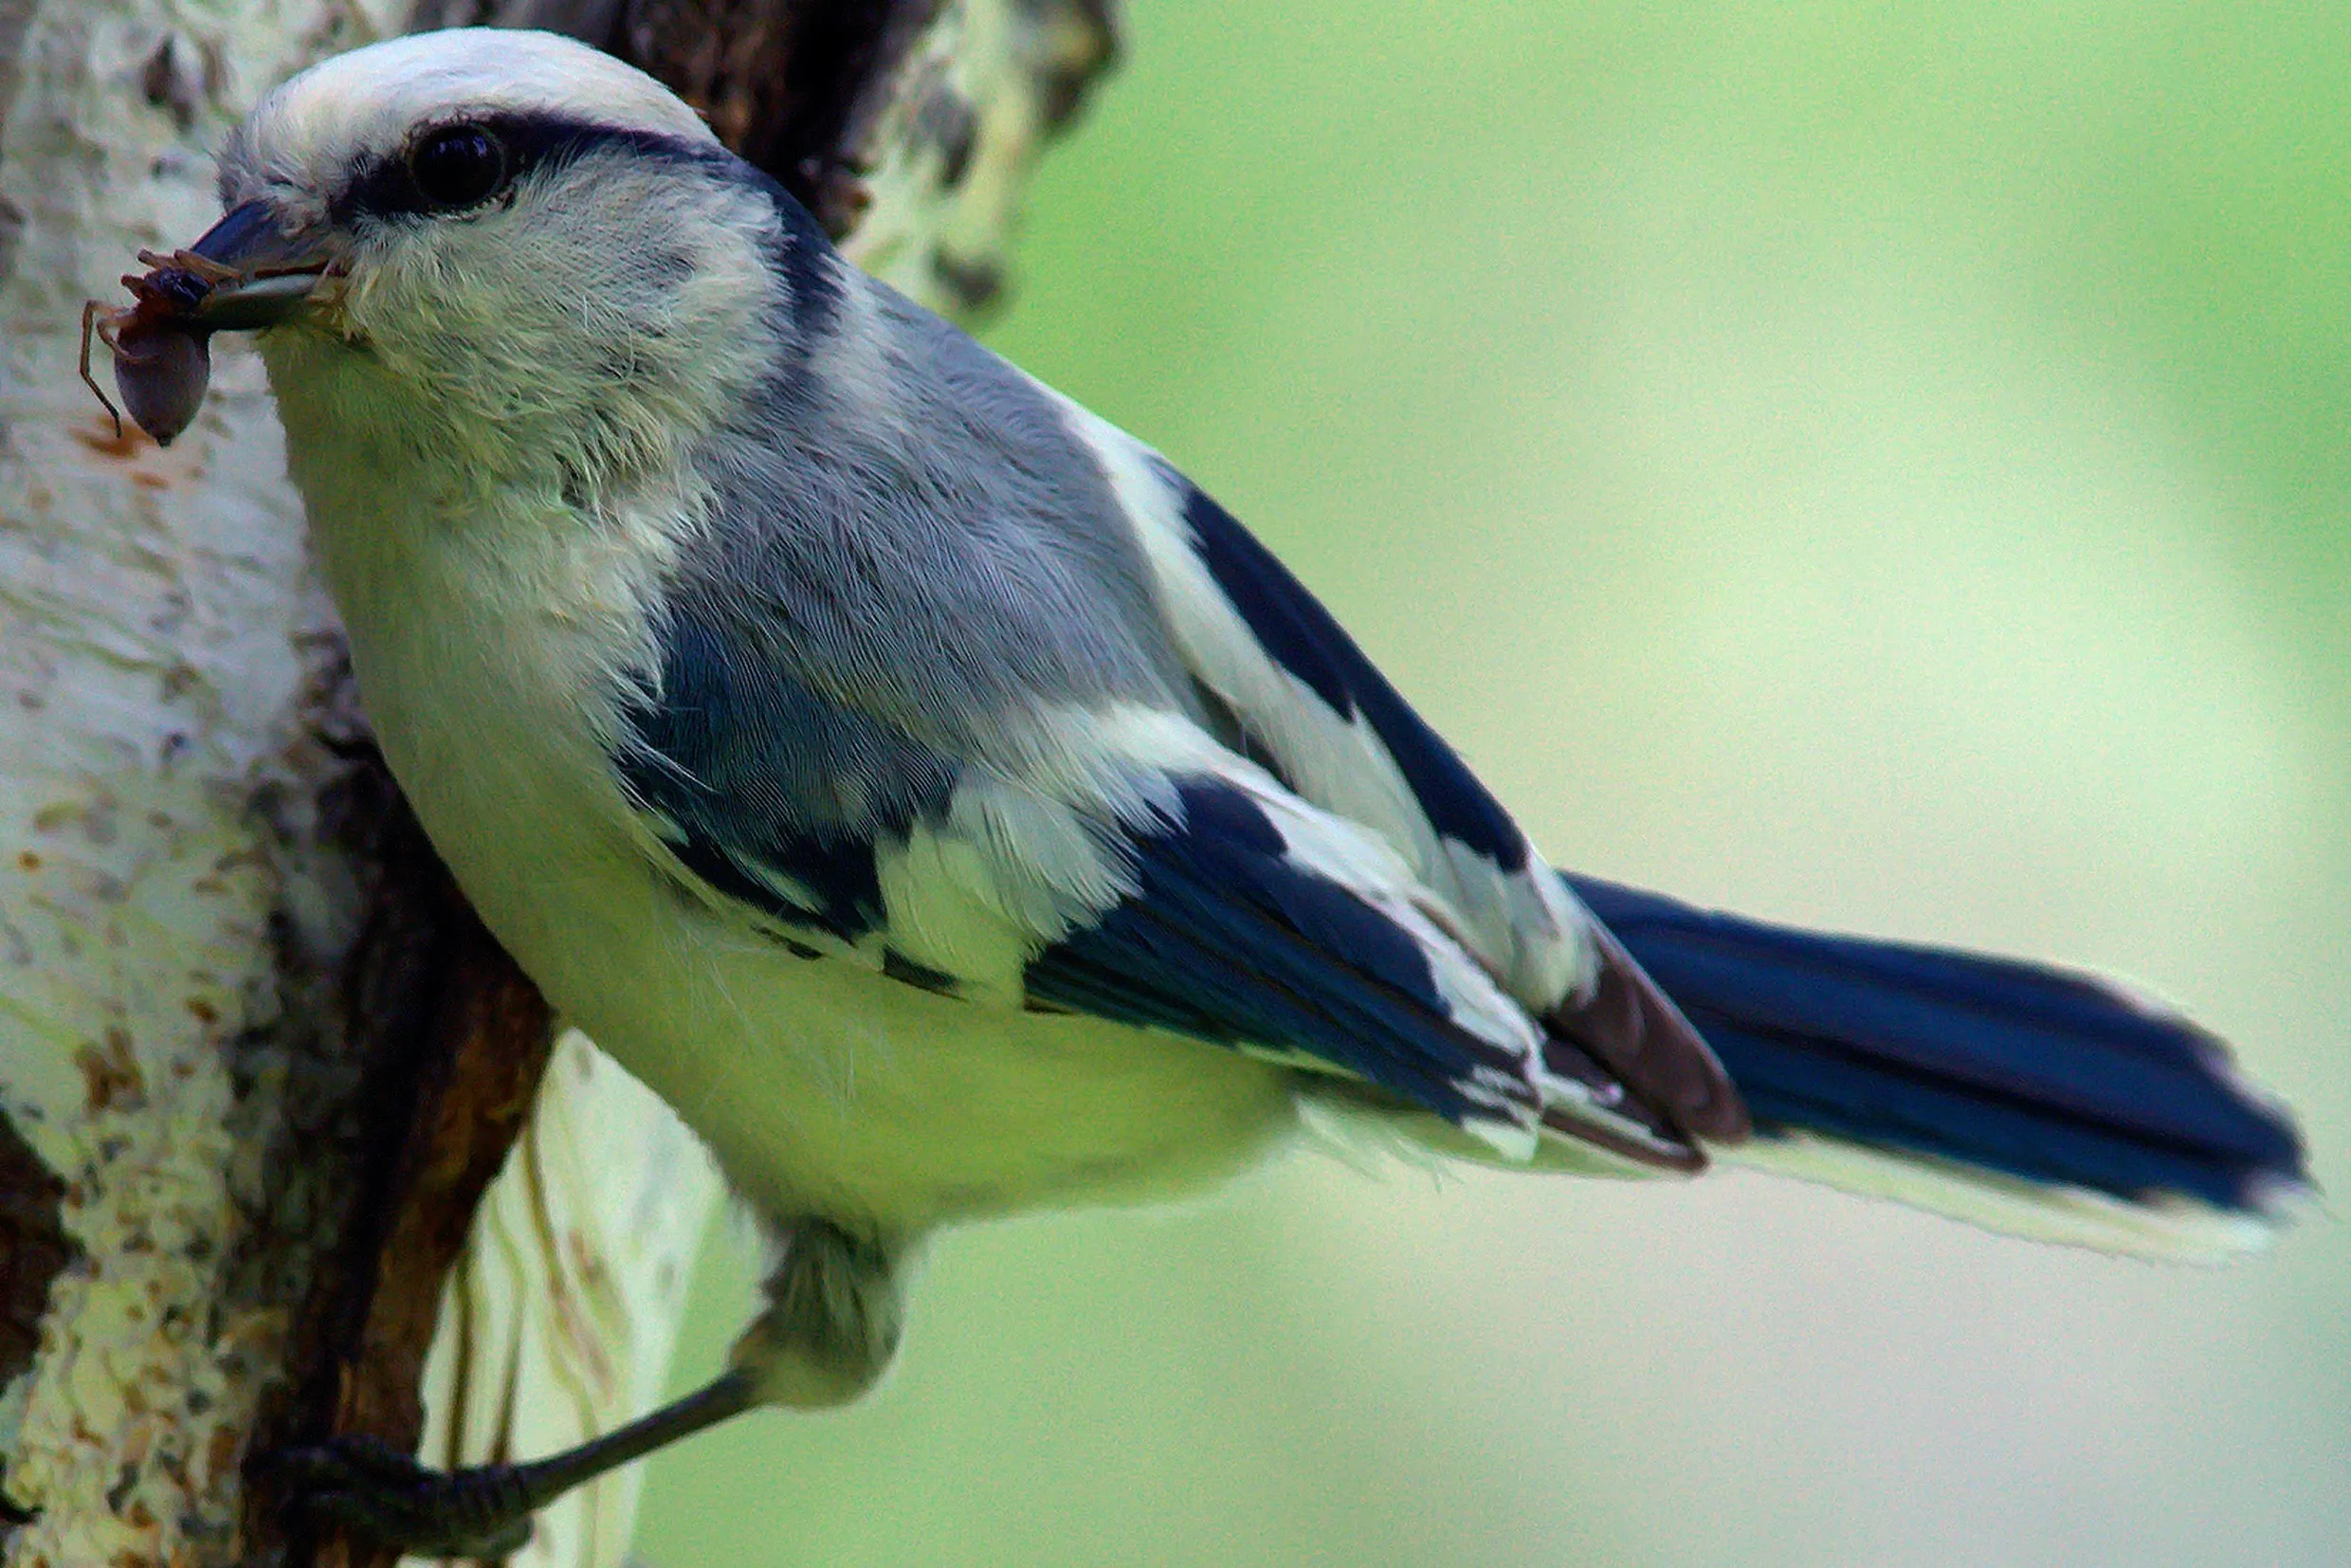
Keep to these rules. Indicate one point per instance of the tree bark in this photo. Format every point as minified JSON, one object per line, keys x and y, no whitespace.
{"x":287,"y":1145}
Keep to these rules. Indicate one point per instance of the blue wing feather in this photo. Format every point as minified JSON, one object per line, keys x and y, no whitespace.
{"x":1228,"y":940}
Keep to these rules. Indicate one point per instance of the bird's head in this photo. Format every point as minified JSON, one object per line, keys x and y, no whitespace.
{"x":503,"y":243}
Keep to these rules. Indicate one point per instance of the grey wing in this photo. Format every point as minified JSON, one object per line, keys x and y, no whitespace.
{"x":1168,"y":885}
{"x":943,"y":611}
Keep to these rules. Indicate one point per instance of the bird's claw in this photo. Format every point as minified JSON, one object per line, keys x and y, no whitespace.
{"x":371,"y":1489}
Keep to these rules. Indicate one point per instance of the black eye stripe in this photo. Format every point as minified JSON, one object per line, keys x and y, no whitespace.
{"x":386,"y":187}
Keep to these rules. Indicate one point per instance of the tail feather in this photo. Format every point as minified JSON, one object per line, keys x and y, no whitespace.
{"x":2021,"y":1097}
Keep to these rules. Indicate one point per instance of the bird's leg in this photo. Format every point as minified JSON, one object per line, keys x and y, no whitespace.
{"x":834,"y":1312}
{"x":830,"y":1327}
{"x":372,"y":1490}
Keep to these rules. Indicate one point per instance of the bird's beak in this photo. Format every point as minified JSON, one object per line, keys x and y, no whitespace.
{"x":257,"y":276}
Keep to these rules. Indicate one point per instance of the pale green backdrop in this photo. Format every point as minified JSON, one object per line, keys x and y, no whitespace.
{"x":1883,"y":466}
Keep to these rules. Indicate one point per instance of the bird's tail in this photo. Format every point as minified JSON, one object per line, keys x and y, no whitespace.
{"x":2035,"y":1102}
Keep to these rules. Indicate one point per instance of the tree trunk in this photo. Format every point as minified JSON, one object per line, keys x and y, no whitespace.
{"x":262,"y":1073}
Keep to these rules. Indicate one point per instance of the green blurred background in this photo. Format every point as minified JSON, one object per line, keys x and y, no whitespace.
{"x":1880,"y":467}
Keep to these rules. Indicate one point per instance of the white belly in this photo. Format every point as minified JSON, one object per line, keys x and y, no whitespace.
{"x":825,"y":1089}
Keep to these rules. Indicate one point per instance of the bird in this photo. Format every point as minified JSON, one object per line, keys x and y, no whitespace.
{"x":953,"y":811}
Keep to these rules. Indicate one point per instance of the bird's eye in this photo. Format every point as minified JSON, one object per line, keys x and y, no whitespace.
{"x":458,"y":166}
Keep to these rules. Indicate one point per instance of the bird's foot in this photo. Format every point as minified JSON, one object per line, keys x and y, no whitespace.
{"x":373,"y":1491}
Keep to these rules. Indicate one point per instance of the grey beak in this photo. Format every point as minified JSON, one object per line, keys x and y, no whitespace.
{"x":271,"y":273}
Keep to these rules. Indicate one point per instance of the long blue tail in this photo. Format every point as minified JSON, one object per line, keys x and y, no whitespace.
{"x":2022,"y":1097}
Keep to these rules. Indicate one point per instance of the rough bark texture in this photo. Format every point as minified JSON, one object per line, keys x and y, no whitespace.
{"x":258,"y":1063}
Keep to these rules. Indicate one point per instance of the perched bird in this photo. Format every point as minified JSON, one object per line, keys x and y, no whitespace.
{"x":951,"y":811}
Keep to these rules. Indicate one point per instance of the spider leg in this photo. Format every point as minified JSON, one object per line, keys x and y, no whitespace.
{"x":93,"y":325}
